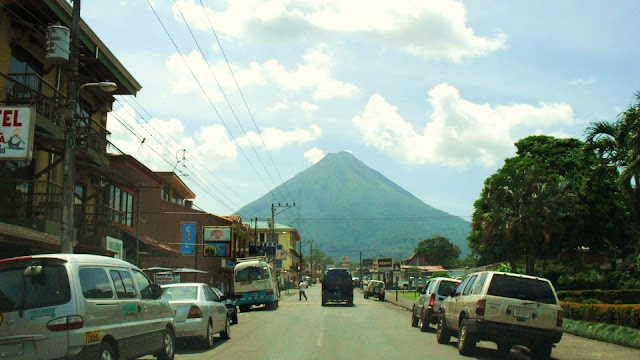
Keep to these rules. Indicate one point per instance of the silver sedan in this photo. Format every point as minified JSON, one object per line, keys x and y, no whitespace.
{"x":199,"y":312}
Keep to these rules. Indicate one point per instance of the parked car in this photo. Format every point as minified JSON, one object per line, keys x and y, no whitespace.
{"x":232,"y":309}
{"x":426,"y":309}
{"x":505,"y":308}
{"x":81,"y":306}
{"x":337,"y":286}
{"x":199,"y":312}
{"x":374,"y":288}
{"x":356,"y":281}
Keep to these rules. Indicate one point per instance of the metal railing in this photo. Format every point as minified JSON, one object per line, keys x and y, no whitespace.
{"x":31,"y":89}
{"x":25,"y":202}
{"x":91,"y":135}
{"x":96,"y":221}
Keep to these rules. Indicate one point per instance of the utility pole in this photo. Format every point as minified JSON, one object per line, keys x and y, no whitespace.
{"x":138,"y":228}
{"x":300,"y":265}
{"x":68,"y":182}
{"x":360,"y":269}
{"x":311,"y":261}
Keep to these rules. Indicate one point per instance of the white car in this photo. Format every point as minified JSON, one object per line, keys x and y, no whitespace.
{"x":199,"y":312}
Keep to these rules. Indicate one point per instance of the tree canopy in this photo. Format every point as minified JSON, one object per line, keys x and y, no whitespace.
{"x":438,"y":250}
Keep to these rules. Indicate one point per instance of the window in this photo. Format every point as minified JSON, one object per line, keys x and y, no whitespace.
{"x":250,"y":274}
{"x":446,"y":285}
{"x":144,"y":285}
{"x":121,"y":201}
{"x":467,"y":289}
{"x":521,"y":288}
{"x":50,"y":288}
{"x":23,"y":66}
{"x":124,"y":284}
{"x":79,"y":194}
{"x":177,"y":293}
{"x":165,"y":192}
{"x":95,"y":283}
{"x":210,"y":294}
{"x":480,"y":284}
{"x":461,"y":286}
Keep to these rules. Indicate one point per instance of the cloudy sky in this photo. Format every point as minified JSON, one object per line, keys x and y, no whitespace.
{"x":242,"y":95}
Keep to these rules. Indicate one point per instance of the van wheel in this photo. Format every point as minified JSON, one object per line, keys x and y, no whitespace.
{"x":226,"y":333}
{"x":106,"y":351}
{"x":466,"y":340}
{"x":168,"y":346}
{"x":442,"y":333}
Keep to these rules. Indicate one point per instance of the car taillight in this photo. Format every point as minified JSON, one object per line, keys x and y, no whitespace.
{"x":560,"y":318}
{"x":269,"y":292}
{"x":194,"y":312}
{"x":237,"y":295}
{"x":432,"y":300}
{"x":72,"y":322}
{"x":480,"y":307}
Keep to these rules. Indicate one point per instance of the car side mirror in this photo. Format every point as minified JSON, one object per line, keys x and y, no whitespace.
{"x":156,"y":291}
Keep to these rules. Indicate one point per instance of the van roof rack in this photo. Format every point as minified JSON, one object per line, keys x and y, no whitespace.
{"x":252,"y":258}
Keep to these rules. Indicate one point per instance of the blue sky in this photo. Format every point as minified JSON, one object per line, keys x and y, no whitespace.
{"x":432,"y":94}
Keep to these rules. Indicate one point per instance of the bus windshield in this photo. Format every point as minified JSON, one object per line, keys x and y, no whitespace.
{"x":251,"y":274}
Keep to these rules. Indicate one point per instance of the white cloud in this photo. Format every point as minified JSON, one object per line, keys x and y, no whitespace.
{"x":459,"y":132}
{"x":581,"y":81}
{"x":276,"y":139}
{"x":433,"y":29}
{"x":308,"y":107}
{"x":278,"y":106}
{"x":313,"y":155}
{"x":164,"y":140}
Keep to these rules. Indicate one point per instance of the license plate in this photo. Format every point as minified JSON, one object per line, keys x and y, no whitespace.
{"x":245,"y":282}
{"x":11,"y":349}
{"x":520,"y":313}
{"x":92,"y":337}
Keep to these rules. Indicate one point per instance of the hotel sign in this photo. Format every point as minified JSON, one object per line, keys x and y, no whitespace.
{"x":17,"y":126}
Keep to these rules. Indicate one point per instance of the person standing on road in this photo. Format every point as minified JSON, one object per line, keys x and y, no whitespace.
{"x":303,"y":290}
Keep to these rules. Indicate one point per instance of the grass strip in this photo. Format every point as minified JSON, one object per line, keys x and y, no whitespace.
{"x":609,"y":333}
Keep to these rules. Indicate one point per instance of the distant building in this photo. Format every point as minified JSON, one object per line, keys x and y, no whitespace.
{"x":287,"y":260}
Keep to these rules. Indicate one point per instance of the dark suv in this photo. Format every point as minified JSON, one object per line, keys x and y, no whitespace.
{"x":337,"y":286}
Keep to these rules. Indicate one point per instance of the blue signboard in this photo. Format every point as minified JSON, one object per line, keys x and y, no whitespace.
{"x":367,"y":262}
{"x":278,"y":264}
{"x":187,"y":238}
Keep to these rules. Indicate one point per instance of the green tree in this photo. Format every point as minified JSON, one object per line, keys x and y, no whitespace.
{"x":320,"y":259}
{"x":438,"y":250}
{"x":618,"y":145}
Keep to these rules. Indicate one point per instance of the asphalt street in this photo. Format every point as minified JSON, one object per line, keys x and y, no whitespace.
{"x":371,"y":329}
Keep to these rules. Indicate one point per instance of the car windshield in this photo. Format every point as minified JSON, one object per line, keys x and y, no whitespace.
{"x":521,"y":288}
{"x":20,"y":292}
{"x":180,"y":293}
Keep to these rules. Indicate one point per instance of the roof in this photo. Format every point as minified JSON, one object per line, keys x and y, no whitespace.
{"x":264,"y":225}
{"x":78,"y":258}
{"x":136,"y":165}
{"x":174,"y":180}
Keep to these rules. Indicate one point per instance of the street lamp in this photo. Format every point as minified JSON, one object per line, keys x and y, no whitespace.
{"x":68,"y":182}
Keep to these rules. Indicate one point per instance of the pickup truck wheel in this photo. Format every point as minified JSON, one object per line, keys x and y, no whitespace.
{"x":442,"y":333}
{"x":466,"y":340}
{"x":504,"y":347}
{"x":414,"y":319}
{"x":541,"y":352}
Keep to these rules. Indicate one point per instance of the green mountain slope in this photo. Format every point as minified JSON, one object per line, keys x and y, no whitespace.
{"x":346,"y":207}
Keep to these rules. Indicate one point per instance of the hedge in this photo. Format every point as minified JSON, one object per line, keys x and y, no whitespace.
{"x":622,"y":315}
{"x":605,"y":296}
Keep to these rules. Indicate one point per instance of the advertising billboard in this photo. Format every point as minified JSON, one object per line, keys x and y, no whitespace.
{"x":17,"y":125}
{"x":216,"y":233}
{"x":385,"y":263}
{"x":187,"y":238}
{"x":367,"y":262}
{"x":216,"y":249}
{"x":262,"y":248}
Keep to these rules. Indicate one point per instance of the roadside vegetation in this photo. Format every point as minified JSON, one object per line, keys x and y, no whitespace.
{"x":614,"y":334}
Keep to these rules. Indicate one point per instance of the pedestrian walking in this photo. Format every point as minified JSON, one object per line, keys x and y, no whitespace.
{"x":303,"y":290}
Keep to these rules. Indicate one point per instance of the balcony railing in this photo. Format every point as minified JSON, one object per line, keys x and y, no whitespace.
{"x":27,"y":203}
{"x":91,"y":135}
{"x":31,"y":89}
{"x":96,"y":221}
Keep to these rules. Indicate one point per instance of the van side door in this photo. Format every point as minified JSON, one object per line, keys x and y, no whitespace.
{"x":155,"y":312}
{"x":130,"y":312}
{"x":101,"y":314}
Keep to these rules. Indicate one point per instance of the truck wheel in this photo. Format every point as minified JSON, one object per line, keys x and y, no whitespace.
{"x":541,"y":352}
{"x":466,"y":340}
{"x":442,"y":333}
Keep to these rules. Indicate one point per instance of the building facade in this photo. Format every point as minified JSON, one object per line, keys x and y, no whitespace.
{"x":287,"y":259}
{"x":34,"y":83}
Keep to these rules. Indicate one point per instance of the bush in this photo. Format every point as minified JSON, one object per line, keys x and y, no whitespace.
{"x":622,"y":315}
{"x":604,"y":296}
{"x":440,"y":274}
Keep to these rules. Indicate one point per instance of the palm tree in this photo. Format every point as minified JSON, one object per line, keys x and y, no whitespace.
{"x":618,"y":144}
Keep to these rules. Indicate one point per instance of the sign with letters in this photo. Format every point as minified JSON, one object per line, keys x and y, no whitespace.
{"x":17,"y":126}
{"x":385,"y":263}
{"x":187,"y":238}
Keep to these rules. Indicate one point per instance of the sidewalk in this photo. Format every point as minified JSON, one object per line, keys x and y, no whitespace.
{"x":390,"y":297}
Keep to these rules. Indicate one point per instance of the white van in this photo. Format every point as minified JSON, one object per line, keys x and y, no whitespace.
{"x":255,"y":283}
{"x":81,"y":307}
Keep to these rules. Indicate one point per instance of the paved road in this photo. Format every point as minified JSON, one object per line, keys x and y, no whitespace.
{"x":371,"y":329}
